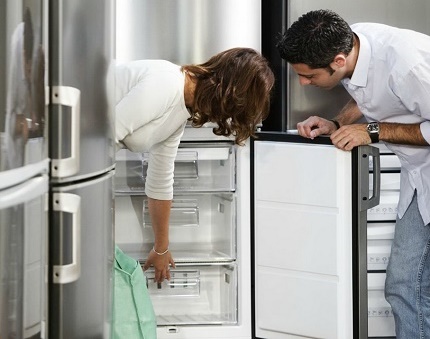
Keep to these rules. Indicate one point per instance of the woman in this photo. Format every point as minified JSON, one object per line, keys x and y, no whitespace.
{"x":155,"y":99}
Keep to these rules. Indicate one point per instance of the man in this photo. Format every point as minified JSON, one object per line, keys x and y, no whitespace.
{"x":386,"y":70}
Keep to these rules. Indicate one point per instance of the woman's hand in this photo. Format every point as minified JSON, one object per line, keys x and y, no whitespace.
{"x":161,"y":264}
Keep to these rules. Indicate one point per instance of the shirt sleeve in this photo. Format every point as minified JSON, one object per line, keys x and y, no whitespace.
{"x":161,"y":163}
{"x":414,"y":92}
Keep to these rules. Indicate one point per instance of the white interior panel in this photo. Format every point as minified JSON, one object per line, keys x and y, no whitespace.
{"x":317,"y":169}
{"x":305,"y":305}
{"x":306,"y":238}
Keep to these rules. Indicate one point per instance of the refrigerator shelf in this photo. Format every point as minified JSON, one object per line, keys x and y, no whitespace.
{"x":199,"y":167}
{"x":190,"y":256}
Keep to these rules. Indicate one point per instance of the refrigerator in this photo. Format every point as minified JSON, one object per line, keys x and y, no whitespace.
{"x":57,"y":164}
{"x":270,"y":239}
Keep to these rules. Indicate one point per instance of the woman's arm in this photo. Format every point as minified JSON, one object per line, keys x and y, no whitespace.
{"x":160,"y":256}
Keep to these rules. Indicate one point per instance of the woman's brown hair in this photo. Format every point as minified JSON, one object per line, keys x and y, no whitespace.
{"x":233,"y":90}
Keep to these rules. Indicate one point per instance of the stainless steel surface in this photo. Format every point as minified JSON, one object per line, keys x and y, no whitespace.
{"x":22,"y":84}
{"x":23,"y":259}
{"x":81,"y":52}
{"x":304,"y":101}
{"x":82,"y":153}
{"x":80,"y":308}
{"x":185,"y":31}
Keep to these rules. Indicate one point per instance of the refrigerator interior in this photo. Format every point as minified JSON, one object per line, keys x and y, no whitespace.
{"x":203,"y":287}
{"x":203,"y":213}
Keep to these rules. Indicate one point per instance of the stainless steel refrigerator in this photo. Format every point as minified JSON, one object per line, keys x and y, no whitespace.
{"x":56,"y":247}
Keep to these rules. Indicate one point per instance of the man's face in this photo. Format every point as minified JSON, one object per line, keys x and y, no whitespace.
{"x":325,"y":78}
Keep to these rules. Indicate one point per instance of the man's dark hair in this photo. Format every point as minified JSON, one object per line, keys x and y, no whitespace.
{"x":315,"y":39}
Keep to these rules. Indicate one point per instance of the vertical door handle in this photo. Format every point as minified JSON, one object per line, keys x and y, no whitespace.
{"x":364,"y":153}
{"x":68,"y":96}
{"x":69,"y":203}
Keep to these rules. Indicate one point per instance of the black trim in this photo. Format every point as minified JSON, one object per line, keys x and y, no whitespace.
{"x":355,"y":248}
{"x":292,"y":137}
{"x":252,"y":225}
{"x":273,"y":24}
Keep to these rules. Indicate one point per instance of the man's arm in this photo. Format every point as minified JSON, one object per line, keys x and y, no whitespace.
{"x":349,"y":114}
{"x":406,"y":134}
{"x":349,"y":136}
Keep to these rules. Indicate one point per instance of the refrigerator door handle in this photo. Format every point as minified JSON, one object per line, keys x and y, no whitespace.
{"x":68,"y":96}
{"x":365,"y":152}
{"x":69,"y":203}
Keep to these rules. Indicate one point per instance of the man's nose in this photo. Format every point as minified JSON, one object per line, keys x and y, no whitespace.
{"x":304,"y":81}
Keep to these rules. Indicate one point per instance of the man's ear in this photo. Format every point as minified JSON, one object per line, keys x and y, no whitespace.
{"x":339,"y":61}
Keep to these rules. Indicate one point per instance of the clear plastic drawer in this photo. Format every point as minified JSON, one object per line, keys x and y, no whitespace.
{"x":202,"y":226}
{"x":199,"y":167}
{"x":196,"y":295}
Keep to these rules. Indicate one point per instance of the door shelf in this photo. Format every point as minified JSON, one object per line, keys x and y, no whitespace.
{"x":196,"y":295}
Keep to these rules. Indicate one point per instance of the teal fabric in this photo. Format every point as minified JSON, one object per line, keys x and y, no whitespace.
{"x":133,"y":314}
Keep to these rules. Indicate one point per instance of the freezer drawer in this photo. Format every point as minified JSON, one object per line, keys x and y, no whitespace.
{"x":199,"y":167}
{"x":379,"y":239}
{"x":387,"y":208}
{"x":202,"y":226}
{"x":196,"y":295}
{"x":380,"y":315}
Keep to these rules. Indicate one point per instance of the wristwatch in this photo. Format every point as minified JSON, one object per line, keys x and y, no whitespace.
{"x":373,"y":130}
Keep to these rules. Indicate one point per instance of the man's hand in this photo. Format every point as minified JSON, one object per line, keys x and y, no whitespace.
{"x":315,"y":126}
{"x":349,"y":136}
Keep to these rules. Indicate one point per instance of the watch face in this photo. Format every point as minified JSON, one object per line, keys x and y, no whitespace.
{"x":373,"y":127}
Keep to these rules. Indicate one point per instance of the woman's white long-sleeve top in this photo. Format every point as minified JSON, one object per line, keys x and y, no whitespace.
{"x":150,"y":117}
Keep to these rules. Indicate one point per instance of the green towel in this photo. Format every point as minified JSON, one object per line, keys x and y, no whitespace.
{"x":133,"y":314}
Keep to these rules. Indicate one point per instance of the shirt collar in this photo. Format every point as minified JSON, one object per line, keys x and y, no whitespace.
{"x":361,"y":70}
